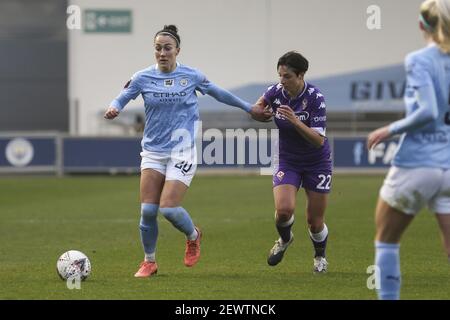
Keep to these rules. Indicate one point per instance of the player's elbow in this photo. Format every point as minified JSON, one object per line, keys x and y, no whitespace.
{"x":431,"y":115}
{"x":434,"y":114}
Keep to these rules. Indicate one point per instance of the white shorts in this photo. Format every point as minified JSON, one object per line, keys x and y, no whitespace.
{"x":174,"y":166}
{"x":409,"y":190}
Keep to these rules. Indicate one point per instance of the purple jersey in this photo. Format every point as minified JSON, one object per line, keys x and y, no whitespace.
{"x":309,"y":107}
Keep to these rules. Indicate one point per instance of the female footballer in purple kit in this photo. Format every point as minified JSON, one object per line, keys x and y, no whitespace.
{"x":303,"y":159}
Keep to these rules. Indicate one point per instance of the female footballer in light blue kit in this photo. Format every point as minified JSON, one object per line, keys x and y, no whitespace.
{"x":168,"y":145}
{"x":420,"y":172}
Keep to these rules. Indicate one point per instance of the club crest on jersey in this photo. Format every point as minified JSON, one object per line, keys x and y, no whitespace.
{"x":304,"y":104}
{"x":168,"y":83}
{"x":280,"y":175}
{"x":184,"y":82}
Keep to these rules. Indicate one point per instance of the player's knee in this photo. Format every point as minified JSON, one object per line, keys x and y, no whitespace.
{"x":284,"y":214}
{"x":167,"y":202}
{"x":149,"y":212}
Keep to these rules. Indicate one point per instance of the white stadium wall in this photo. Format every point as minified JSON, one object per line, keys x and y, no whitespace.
{"x":234,"y":42}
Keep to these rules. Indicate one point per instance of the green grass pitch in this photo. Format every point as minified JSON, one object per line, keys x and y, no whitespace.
{"x":41,"y":217}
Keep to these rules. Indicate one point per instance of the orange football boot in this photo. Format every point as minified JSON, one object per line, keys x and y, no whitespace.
{"x":146,"y":269}
{"x":192,"y":252}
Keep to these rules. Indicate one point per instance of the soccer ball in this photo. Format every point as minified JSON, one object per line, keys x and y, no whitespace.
{"x":73,"y":264}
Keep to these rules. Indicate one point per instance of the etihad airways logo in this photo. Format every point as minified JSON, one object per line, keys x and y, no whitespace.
{"x":170,"y":97}
{"x":169,"y":94}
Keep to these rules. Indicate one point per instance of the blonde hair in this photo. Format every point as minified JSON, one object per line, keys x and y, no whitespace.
{"x":435,"y":15}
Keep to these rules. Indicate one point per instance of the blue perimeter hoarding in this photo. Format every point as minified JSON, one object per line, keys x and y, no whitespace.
{"x":64,"y":154}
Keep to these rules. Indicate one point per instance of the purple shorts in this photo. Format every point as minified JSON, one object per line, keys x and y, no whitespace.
{"x":318,"y":180}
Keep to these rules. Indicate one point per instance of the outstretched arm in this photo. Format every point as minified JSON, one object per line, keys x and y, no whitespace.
{"x":227,"y":97}
{"x":130,"y":91}
{"x":427,"y":112}
{"x":421,"y":90}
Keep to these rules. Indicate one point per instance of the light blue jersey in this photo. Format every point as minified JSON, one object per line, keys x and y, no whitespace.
{"x":426,"y":128}
{"x":170,"y":101}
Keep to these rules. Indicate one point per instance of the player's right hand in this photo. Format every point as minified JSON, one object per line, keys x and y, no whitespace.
{"x":111,"y":113}
{"x":376,"y":136}
{"x":261,"y":111}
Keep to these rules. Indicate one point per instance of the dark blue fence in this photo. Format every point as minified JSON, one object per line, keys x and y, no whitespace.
{"x":64,"y":154}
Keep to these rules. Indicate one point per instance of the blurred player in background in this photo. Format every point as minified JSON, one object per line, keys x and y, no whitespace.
{"x":303,"y":159}
{"x":168,"y":145}
{"x":420,"y":172}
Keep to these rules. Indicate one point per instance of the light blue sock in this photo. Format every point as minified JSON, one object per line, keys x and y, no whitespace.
{"x":180,"y":219}
{"x":149,"y":229}
{"x":387,"y":259}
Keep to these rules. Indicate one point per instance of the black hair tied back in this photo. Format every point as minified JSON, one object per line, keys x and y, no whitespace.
{"x":172,"y":31}
{"x":171,"y":28}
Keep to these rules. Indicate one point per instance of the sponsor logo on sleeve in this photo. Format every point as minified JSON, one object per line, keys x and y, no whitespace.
{"x":319,"y":119}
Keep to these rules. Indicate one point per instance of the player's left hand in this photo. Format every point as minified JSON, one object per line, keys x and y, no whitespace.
{"x":376,"y":136}
{"x":287,"y":113}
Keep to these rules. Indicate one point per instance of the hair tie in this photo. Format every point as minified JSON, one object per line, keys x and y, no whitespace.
{"x":425,"y":24}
